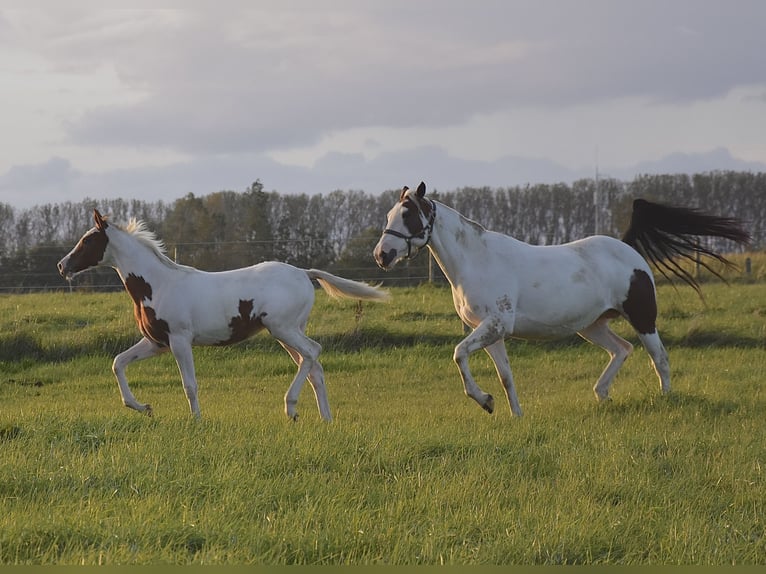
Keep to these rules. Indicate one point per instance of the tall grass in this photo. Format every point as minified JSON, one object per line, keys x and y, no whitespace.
{"x":410,"y":471}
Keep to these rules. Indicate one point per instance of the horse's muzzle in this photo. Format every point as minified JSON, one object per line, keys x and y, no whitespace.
{"x":63,"y":268}
{"x":385,"y":258}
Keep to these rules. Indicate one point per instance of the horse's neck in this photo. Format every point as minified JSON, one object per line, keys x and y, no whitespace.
{"x":456,"y":243}
{"x":130,"y":256}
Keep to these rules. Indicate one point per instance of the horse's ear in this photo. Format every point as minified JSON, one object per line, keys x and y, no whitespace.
{"x":100,"y":221}
{"x":404,"y":190}
{"x":421,"y":191}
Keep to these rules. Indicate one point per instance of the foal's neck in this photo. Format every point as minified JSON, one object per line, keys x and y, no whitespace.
{"x":130,"y":255}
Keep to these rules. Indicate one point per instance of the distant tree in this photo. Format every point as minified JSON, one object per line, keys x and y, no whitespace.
{"x":256,"y":207}
{"x":7,"y":239}
{"x":228,"y":229}
{"x":188,"y":232}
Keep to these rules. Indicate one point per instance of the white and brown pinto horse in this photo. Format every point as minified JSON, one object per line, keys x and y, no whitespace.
{"x":503,"y":287}
{"x":177,"y":306}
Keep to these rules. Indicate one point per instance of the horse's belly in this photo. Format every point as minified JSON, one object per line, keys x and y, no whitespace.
{"x":547,"y":326}
{"x":535,"y":329}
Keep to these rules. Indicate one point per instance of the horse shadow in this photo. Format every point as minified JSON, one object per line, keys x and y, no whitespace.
{"x":676,"y":401}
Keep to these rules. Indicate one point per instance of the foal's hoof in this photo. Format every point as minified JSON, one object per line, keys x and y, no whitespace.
{"x":489,"y":404}
{"x":294,"y":418}
{"x":148,"y":410}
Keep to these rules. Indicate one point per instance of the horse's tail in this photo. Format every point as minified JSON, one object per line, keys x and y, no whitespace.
{"x":339,"y":287}
{"x":661,"y":234}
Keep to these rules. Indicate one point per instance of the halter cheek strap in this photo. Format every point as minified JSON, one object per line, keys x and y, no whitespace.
{"x":408,"y":238}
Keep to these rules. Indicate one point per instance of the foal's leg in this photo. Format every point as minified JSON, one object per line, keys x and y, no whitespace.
{"x":316,"y":380}
{"x":141,"y":350}
{"x":659,"y":355}
{"x":182,"y":351}
{"x":486,"y":333}
{"x":500,"y":357}
{"x":618,"y":348}
{"x":308,"y":351}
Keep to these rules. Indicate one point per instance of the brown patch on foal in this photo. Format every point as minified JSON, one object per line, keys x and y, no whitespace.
{"x":89,"y":251}
{"x":150,"y":326}
{"x":640,"y":306}
{"x":244,"y":325}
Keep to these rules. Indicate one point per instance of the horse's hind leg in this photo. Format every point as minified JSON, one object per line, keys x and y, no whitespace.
{"x":316,"y":380}
{"x":640,"y":308}
{"x":653,"y":345}
{"x":499,"y":356}
{"x":484,"y":335}
{"x":618,"y":348}
{"x":182,"y":351}
{"x":307,"y":351}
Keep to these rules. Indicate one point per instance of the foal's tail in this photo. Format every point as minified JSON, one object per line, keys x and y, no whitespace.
{"x":339,"y":287}
{"x":662,"y":233}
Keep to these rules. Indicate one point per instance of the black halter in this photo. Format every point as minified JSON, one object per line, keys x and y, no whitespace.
{"x":408,"y":238}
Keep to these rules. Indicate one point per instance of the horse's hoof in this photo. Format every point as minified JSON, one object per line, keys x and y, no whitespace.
{"x":294,"y":418}
{"x":148,"y":411}
{"x":489,"y":404}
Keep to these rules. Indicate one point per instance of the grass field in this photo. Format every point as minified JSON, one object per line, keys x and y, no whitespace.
{"x":410,"y":471}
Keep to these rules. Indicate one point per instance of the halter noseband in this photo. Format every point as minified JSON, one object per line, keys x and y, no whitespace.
{"x":408,"y":238}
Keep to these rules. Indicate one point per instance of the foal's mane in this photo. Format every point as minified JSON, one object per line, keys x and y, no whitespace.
{"x":138,"y":229}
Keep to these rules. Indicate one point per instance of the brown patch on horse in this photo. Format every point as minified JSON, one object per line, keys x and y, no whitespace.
{"x":411,"y":217}
{"x":244,"y":325}
{"x":640,"y":306}
{"x":150,"y":326}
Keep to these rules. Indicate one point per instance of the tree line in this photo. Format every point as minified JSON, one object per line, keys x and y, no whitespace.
{"x":337,"y":231}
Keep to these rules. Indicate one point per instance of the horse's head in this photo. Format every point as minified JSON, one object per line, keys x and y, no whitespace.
{"x":409,"y":225}
{"x":88,"y":252}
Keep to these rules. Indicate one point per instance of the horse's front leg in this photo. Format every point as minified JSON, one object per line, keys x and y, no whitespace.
{"x":181,"y":348}
{"x":486,"y":333}
{"x":141,"y":350}
{"x":499,"y":356}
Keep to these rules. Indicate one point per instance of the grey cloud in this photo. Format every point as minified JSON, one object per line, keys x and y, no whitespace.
{"x":715,"y":159}
{"x":256,"y":81}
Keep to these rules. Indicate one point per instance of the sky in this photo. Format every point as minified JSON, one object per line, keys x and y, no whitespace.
{"x":310,"y":96}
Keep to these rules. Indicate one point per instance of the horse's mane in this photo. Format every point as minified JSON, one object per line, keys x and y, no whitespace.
{"x":138,"y":229}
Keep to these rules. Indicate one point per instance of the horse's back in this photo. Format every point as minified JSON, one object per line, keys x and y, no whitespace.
{"x":276,"y":286}
{"x":561,"y":289}
{"x":607,"y":253}
{"x":265,"y":277}
{"x":263,"y":295}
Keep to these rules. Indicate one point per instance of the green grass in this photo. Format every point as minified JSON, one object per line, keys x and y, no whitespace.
{"x":410,"y":471}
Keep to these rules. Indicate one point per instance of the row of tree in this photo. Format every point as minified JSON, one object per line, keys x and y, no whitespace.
{"x":337,"y":231}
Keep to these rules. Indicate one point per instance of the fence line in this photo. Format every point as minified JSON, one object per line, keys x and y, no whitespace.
{"x":15,"y":278}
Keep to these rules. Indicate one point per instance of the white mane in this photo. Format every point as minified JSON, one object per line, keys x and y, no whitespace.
{"x":138,"y":229}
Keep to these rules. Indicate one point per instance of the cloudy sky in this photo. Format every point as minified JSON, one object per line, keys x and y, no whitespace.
{"x":317,"y":95}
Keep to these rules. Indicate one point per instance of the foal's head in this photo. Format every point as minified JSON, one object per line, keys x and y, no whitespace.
{"x":409,"y":224}
{"x":89,"y":251}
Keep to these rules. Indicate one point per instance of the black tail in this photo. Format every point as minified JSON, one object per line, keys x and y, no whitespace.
{"x":662,"y":234}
